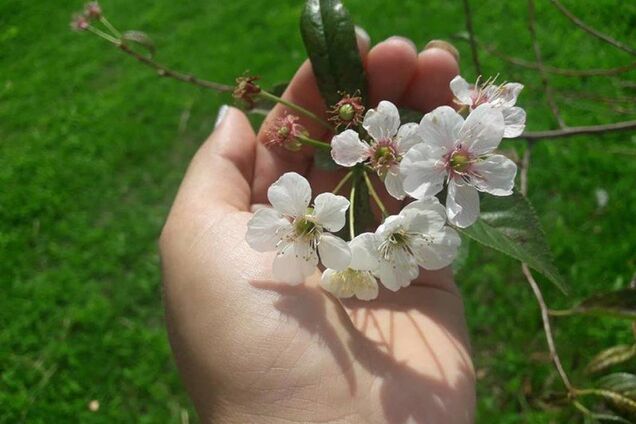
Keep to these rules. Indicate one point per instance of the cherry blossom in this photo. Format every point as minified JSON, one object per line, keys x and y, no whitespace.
{"x":460,"y":153}
{"x":383,"y":149}
{"x":503,"y":97}
{"x":297,"y":232}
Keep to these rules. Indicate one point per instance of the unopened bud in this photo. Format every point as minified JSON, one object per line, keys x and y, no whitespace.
{"x":93,"y":10}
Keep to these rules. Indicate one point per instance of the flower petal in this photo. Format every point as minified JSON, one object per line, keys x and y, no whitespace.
{"x":366,"y":287}
{"x":483,"y":130}
{"x":335,"y":283}
{"x":266,"y":229}
{"x":347,"y":149}
{"x":496,"y":175}
{"x":461,"y":90}
{"x":398,"y":271}
{"x":436,"y":250}
{"x":294,"y":262}
{"x":364,"y":252}
{"x":394,"y":184}
{"x":334,"y":252}
{"x":383,"y":121}
{"x":462,"y":204}
{"x":408,"y":136}
{"x":290,"y":194}
{"x":440,"y":128}
{"x":509,"y":93}
{"x":426,"y":215}
{"x":345,"y":284}
{"x":422,"y":171}
{"x":514,"y":121}
{"x":329,"y":210}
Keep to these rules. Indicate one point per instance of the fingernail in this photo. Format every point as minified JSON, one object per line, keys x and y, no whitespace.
{"x":223,"y":110}
{"x":444,"y":45}
{"x":403,"y":39}
{"x":361,"y":33}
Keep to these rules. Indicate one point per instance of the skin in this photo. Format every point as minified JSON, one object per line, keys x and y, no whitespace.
{"x":253,"y":350}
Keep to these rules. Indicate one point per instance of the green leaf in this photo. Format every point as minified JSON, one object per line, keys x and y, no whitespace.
{"x":141,"y":39}
{"x":612,"y":356}
{"x":323,"y":160}
{"x":363,"y":214}
{"x":410,"y":115}
{"x":621,"y":304}
{"x":620,"y":382}
{"x":330,"y":41}
{"x":510,"y":225}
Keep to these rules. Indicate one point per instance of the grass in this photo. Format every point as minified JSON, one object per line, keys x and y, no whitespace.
{"x":93,"y":148}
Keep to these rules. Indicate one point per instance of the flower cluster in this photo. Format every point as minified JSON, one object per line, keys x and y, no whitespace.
{"x":81,"y":21}
{"x":449,"y":153}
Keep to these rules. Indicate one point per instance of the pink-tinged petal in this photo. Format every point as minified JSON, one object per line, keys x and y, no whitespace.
{"x":461,"y":90}
{"x":329,"y":210}
{"x":347,"y":149}
{"x":294,"y":263}
{"x":483,"y":130}
{"x":364,"y":252}
{"x":408,"y":136}
{"x":290,"y":194}
{"x":514,"y":120}
{"x":462,"y":204}
{"x":398,"y":271}
{"x":437,"y":249}
{"x":495,"y":175}
{"x":382,"y":122}
{"x":424,"y":216}
{"x":266,"y":229}
{"x":440,"y":128}
{"x":393,"y":183}
{"x":422,"y":171}
{"x":334,"y":252}
{"x":509,"y":93}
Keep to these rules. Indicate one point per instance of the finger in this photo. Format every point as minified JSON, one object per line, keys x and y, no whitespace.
{"x":272,"y":162}
{"x":429,"y":88}
{"x":219,"y":176}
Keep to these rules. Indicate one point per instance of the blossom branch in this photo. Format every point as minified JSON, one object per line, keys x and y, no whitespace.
{"x":601,"y":36}
{"x":572,"y":131}
{"x":471,"y":37}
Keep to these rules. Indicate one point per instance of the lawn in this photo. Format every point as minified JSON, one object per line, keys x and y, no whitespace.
{"x":92,"y":149}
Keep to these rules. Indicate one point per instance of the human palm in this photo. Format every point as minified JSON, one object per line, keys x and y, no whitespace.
{"x":254,"y":350}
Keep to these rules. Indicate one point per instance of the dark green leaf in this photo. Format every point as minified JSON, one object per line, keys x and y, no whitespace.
{"x":330,"y":41}
{"x":621,"y":303}
{"x":612,"y":356}
{"x":140,"y":38}
{"x":323,"y":160}
{"x":410,"y":115}
{"x":510,"y":225}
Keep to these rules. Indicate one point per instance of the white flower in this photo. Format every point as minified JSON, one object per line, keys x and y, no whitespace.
{"x":387,"y":145}
{"x":298,"y":233}
{"x":417,"y":236}
{"x":357,"y":280}
{"x":502,"y":96}
{"x":459,"y":152}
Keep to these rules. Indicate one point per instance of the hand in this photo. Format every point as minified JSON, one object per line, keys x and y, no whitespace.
{"x":251,"y":350}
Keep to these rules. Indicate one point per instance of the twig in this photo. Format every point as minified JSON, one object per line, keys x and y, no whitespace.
{"x":342,"y":182}
{"x":572,"y":131}
{"x":164,"y":71}
{"x":374,"y":194}
{"x":601,"y":36}
{"x":544,"y":77}
{"x":471,"y":37}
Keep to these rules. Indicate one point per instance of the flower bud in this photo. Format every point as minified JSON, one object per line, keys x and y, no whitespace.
{"x":92,"y":10}
{"x":79,"y":22}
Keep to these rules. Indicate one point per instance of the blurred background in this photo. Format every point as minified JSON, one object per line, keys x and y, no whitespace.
{"x":93,"y":147}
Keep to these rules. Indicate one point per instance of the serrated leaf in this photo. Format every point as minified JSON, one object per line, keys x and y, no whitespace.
{"x":619,"y":382}
{"x":329,"y":37}
{"x":621,"y":303}
{"x":140,"y":38}
{"x":510,"y":225}
{"x":612,"y":356}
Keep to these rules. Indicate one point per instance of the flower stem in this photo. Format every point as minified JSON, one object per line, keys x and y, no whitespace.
{"x":314,"y":143}
{"x":374,"y":195}
{"x":352,"y":203}
{"x":103,"y":35}
{"x":342,"y":182}
{"x":295,"y":107}
{"x":110,"y":26}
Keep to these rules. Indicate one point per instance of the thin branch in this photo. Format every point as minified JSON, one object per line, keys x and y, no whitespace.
{"x":544,"y":76}
{"x":547,"y":328}
{"x":471,"y":37}
{"x":164,"y":71}
{"x":572,"y":131}
{"x":601,"y":36}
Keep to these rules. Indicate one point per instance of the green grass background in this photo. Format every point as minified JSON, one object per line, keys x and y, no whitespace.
{"x":93,"y":146}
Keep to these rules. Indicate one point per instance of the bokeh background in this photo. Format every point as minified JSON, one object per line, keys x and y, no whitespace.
{"x":93,"y":146}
